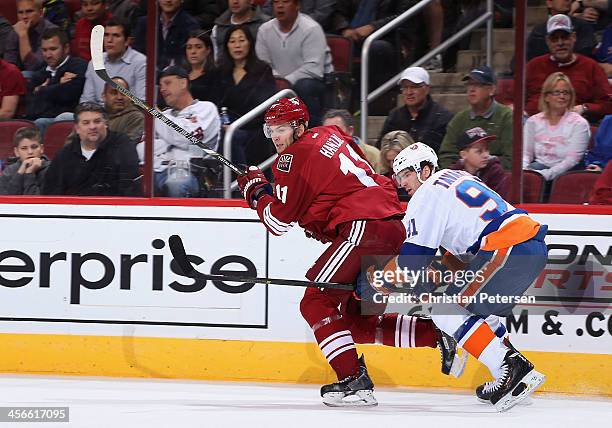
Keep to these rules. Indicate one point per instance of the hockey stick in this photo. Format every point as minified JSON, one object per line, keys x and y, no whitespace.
{"x":97,"y":59}
{"x":180,"y":256}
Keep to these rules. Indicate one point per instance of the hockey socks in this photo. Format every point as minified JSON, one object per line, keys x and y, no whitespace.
{"x":477,"y":338}
{"x":404,"y":331}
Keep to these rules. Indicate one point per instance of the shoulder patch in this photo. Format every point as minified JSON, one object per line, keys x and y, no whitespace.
{"x":284,"y":163}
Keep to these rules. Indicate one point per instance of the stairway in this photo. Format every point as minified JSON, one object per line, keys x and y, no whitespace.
{"x":448,"y":89}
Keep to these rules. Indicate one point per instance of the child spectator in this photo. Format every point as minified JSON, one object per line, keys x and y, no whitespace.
{"x":473,"y":147}
{"x":26,"y":176}
{"x":556,"y":138}
{"x":93,"y":12}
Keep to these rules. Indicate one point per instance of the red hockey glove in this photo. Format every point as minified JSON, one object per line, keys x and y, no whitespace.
{"x":253,"y":184}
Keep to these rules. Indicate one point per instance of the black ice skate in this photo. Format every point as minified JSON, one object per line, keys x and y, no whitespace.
{"x":484,"y":391}
{"x":357,"y":390}
{"x":452,"y":362}
{"x":517,"y":380}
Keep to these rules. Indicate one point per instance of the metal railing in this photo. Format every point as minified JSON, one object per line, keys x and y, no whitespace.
{"x":365,"y":52}
{"x":229,"y":133}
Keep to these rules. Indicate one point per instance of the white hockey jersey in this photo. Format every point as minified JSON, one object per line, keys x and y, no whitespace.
{"x":453,"y":208}
{"x":201,"y":118}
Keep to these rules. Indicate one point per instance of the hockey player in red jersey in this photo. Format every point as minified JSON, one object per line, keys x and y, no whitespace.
{"x":322,"y":182}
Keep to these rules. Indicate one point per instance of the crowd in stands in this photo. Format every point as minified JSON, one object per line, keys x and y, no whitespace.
{"x":227,"y":56}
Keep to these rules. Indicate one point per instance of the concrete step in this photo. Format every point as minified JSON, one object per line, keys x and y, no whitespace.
{"x":447,"y":83}
{"x":468,"y":59}
{"x":453,"y":102}
{"x":375,"y":125}
{"x":503,"y":38}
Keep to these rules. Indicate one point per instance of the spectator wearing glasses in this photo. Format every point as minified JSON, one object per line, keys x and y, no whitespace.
{"x":420,"y":116}
{"x":555,"y":139}
{"x":484,"y":112}
{"x":593,"y":92}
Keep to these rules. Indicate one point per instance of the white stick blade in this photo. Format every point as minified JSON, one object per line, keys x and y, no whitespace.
{"x":96,"y":45}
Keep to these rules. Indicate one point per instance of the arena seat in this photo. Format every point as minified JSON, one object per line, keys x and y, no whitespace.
{"x":533,"y":186}
{"x":342,"y":52}
{"x":7,"y":131}
{"x":55,"y":136}
{"x":573,"y":187}
{"x":340,"y":82}
{"x":282,"y":83}
{"x":8,"y":9}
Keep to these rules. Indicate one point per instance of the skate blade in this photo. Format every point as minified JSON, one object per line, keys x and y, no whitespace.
{"x":529,"y":383}
{"x":459,"y":364}
{"x":363,"y":398}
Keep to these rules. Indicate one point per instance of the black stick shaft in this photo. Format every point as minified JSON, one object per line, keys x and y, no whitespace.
{"x":180,"y":256}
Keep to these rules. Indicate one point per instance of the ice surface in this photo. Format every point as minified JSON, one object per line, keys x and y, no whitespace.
{"x":109,"y":402}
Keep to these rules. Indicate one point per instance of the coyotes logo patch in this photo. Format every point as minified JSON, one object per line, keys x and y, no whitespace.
{"x":284,"y":163}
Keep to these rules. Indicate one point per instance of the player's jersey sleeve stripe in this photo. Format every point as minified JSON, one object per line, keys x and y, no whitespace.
{"x":275,"y":225}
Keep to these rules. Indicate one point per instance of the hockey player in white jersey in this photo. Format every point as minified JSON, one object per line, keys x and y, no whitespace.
{"x":172,"y":152}
{"x":503,"y":248}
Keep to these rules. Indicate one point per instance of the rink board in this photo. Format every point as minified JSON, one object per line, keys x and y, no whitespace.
{"x":92,"y":290}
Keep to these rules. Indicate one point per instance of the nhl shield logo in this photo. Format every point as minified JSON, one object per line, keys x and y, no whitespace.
{"x":284,"y":163}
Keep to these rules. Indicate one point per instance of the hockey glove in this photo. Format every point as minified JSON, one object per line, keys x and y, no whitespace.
{"x":253,"y":184}
{"x":378,"y":281}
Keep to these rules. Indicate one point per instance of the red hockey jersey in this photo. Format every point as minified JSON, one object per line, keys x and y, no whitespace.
{"x":323,"y":180}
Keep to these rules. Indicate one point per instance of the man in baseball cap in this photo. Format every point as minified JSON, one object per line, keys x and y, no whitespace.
{"x":482,"y":75}
{"x":421,"y":117}
{"x":593,"y":91}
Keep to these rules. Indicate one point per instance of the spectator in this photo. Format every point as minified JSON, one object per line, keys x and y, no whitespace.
{"x":484,"y":112}
{"x":173,"y":152}
{"x":23,"y":44}
{"x":204,"y":11}
{"x":319,"y":10}
{"x":97,"y":162}
{"x":56,"y":88}
{"x":390,"y":145}
{"x":344,"y":120}
{"x":12,"y":86}
{"x":5,"y":29}
{"x":556,"y":139}
{"x":120,"y":60}
{"x":602,"y":190}
{"x":598,"y":157}
{"x":473,"y":148}
{"x":122,"y":10}
{"x":173,"y":28}
{"x":356,"y":20}
{"x":585,"y":36}
{"x":243,"y":82}
{"x":420,"y":116}
{"x":93,"y":12}
{"x":123,"y":116}
{"x":199,"y":57}
{"x":240,"y":12}
{"x":596,"y":12}
{"x":26,"y":176}
{"x":295,"y":47}
{"x":56,"y":12}
{"x":604,"y":52}
{"x":593,"y":92}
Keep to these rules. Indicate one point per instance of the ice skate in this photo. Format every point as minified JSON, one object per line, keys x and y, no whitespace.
{"x":356,"y":390}
{"x":484,"y":391}
{"x":452,"y":362}
{"x":518,"y":379}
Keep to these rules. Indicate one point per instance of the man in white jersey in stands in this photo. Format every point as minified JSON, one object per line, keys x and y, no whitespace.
{"x":501,"y":245}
